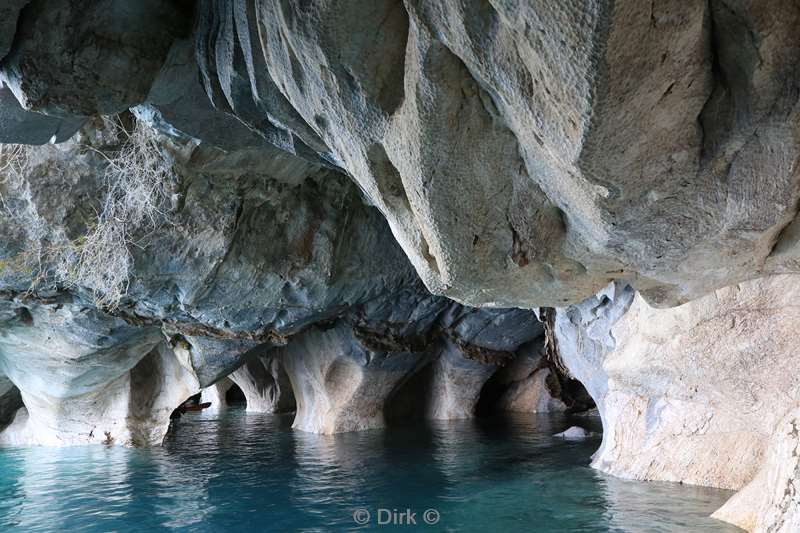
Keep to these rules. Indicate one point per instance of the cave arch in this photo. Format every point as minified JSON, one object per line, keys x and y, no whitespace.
{"x":234,"y":396}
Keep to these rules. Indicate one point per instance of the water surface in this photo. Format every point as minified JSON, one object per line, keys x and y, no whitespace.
{"x":241,"y":472}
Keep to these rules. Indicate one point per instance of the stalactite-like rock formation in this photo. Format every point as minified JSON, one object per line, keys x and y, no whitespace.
{"x":301,"y":176}
{"x":587,"y":142}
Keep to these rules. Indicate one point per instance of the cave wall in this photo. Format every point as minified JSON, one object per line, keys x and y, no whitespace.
{"x":334,"y":172}
{"x":695,"y":393}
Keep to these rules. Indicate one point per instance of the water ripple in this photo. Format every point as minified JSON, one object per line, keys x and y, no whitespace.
{"x":243,"y":472}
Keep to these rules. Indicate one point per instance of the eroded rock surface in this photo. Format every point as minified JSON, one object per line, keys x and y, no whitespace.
{"x":265,"y":385}
{"x":694,"y":393}
{"x":771,"y":502}
{"x":85,"y":377}
{"x":529,"y":154}
{"x":80,"y":57}
{"x":252,"y":266}
{"x":517,"y":154}
{"x":339,"y":384}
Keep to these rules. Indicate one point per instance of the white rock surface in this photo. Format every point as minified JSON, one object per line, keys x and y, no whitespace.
{"x":456,"y":384}
{"x":86,"y":377}
{"x":694,"y":393}
{"x":265,"y":385}
{"x":340,"y":385}
{"x":573,"y":433}
{"x":215,"y":394}
{"x":771,"y":501}
{"x":133,"y":409}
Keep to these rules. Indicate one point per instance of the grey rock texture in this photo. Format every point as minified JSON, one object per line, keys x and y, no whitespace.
{"x":19,"y":126}
{"x":259,"y":264}
{"x":9,"y":14}
{"x":81,"y":57}
{"x":250,"y":253}
{"x":529,"y":154}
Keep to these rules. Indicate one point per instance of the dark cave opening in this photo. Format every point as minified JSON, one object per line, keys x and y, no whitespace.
{"x":235,"y":396}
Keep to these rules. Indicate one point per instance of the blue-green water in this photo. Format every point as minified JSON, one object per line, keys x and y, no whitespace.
{"x":243,"y":472}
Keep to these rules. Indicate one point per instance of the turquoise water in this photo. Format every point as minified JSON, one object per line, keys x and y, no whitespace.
{"x":243,"y":472}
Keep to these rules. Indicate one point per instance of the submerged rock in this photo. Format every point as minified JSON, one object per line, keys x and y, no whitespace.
{"x":574,"y":433}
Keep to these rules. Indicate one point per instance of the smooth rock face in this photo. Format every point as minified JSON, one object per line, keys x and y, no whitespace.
{"x":265,"y":385}
{"x":249,"y":255}
{"x":526,"y":155}
{"x":694,"y":393}
{"x":87,"y":378}
{"x":340,"y":385}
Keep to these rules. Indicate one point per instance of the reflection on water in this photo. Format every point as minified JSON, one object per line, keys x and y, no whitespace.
{"x":244,"y":472}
